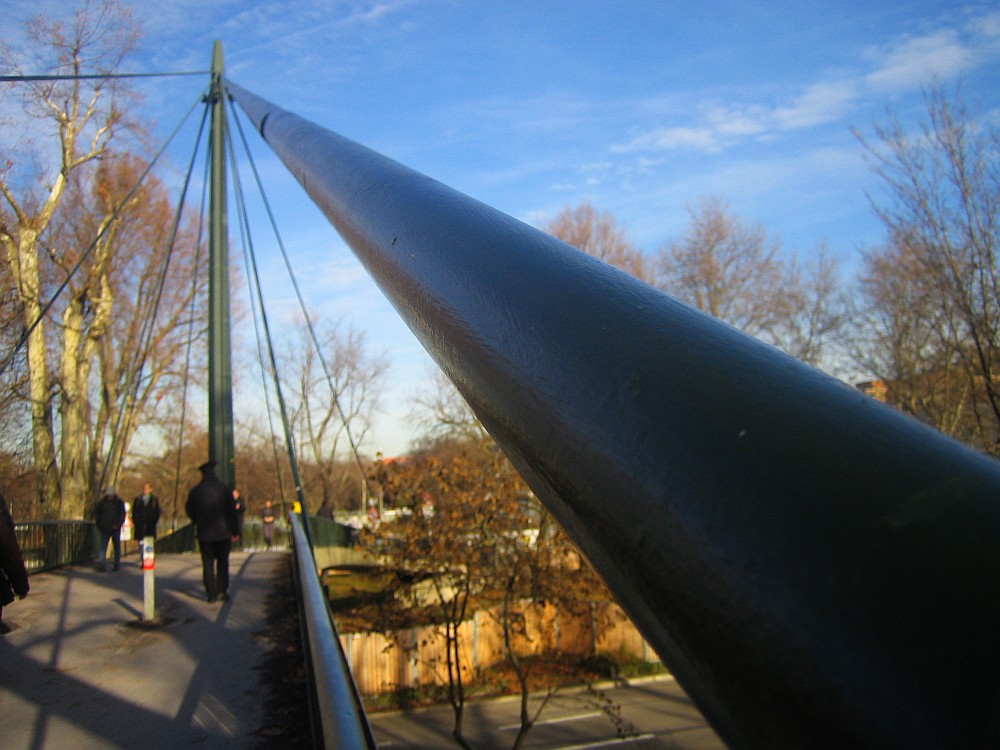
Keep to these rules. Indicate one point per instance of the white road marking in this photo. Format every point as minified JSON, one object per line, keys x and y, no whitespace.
{"x":608,"y":743}
{"x":560,"y":720}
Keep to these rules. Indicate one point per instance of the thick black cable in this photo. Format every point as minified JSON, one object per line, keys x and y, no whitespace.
{"x":302,"y":305}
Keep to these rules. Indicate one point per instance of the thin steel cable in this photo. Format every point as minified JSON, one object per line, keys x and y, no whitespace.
{"x":267,"y":395}
{"x":254,"y":305}
{"x":190,"y":336}
{"x":255,"y":278}
{"x":97,"y":76}
{"x":141,"y":352}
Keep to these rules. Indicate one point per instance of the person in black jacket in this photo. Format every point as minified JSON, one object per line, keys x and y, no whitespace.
{"x":109,"y":515}
{"x":145,"y":515}
{"x":211,"y":507}
{"x":13,"y":574}
{"x":241,"y":510}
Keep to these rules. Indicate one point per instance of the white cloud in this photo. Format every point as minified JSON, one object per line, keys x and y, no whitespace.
{"x":912,"y":62}
{"x":721,"y":126}
{"x":378,"y":11}
{"x":737,"y":121}
{"x":663,"y":139}
{"x":821,"y":103}
{"x":902,"y":64}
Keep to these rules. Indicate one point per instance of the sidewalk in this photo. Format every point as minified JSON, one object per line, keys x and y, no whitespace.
{"x":77,"y":672}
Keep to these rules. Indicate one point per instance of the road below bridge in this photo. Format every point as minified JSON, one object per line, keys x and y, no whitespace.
{"x":658,"y":713}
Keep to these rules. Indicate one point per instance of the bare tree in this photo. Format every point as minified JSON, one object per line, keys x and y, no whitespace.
{"x":325,"y":405}
{"x":16,"y":477}
{"x":598,"y":234}
{"x":442,"y":414}
{"x":159,"y":311}
{"x":85,"y":117}
{"x":735,"y":272}
{"x":727,"y":268}
{"x":77,"y":219}
{"x":902,"y":335}
{"x":941,"y":209}
{"x":818,"y":310}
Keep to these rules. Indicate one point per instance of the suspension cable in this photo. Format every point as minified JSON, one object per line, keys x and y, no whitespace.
{"x":267,"y":391}
{"x":255,"y":304}
{"x":256,"y":289}
{"x":145,"y":340}
{"x":96,"y":76}
{"x":190,"y":336}
{"x":302,"y":305}
{"x":267,"y":397}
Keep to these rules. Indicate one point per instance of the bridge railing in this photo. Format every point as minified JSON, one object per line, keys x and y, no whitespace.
{"x":816,"y":569}
{"x":50,"y":544}
{"x":336,"y":711}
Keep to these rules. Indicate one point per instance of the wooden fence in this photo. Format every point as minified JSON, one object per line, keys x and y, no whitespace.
{"x":413,"y":657}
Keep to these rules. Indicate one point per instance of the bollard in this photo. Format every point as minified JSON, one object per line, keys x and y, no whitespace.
{"x":148,"y":580}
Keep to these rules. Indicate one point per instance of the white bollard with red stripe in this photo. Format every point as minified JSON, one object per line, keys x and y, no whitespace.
{"x":148,"y":579}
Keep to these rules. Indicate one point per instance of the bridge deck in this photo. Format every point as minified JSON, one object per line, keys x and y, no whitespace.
{"x":76,"y":672}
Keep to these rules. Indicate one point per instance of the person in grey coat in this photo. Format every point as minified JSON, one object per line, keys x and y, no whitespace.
{"x":211,"y":507}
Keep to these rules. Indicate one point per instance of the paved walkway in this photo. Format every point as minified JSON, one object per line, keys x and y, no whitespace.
{"x":77,"y":672}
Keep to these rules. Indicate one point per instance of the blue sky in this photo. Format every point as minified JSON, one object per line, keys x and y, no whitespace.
{"x":639,"y":108}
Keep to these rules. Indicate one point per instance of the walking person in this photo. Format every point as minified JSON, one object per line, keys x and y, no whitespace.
{"x":267,"y":516}
{"x":145,"y":516}
{"x":109,"y":515}
{"x":210,"y":506}
{"x":241,"y":510}
{"x":13,"y":574}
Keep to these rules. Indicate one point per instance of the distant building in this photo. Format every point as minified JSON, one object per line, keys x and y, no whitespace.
{"x":877,"y":389}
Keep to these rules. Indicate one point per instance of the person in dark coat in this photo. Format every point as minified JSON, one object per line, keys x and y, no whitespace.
{"x":211,"y":507}
{"x":145,"y":515}
{"x":13,"y":574}
{"x":241,"y":511}
{"x":109,"y":516}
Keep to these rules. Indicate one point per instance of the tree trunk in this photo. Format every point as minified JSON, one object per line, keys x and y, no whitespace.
{"x":42,"y":433}
{"x":507,"y":625}
{"x":455,"y":683}
{"x":77,"y":358}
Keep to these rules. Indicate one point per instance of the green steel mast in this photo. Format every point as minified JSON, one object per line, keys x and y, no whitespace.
{"x":220,"y":379}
